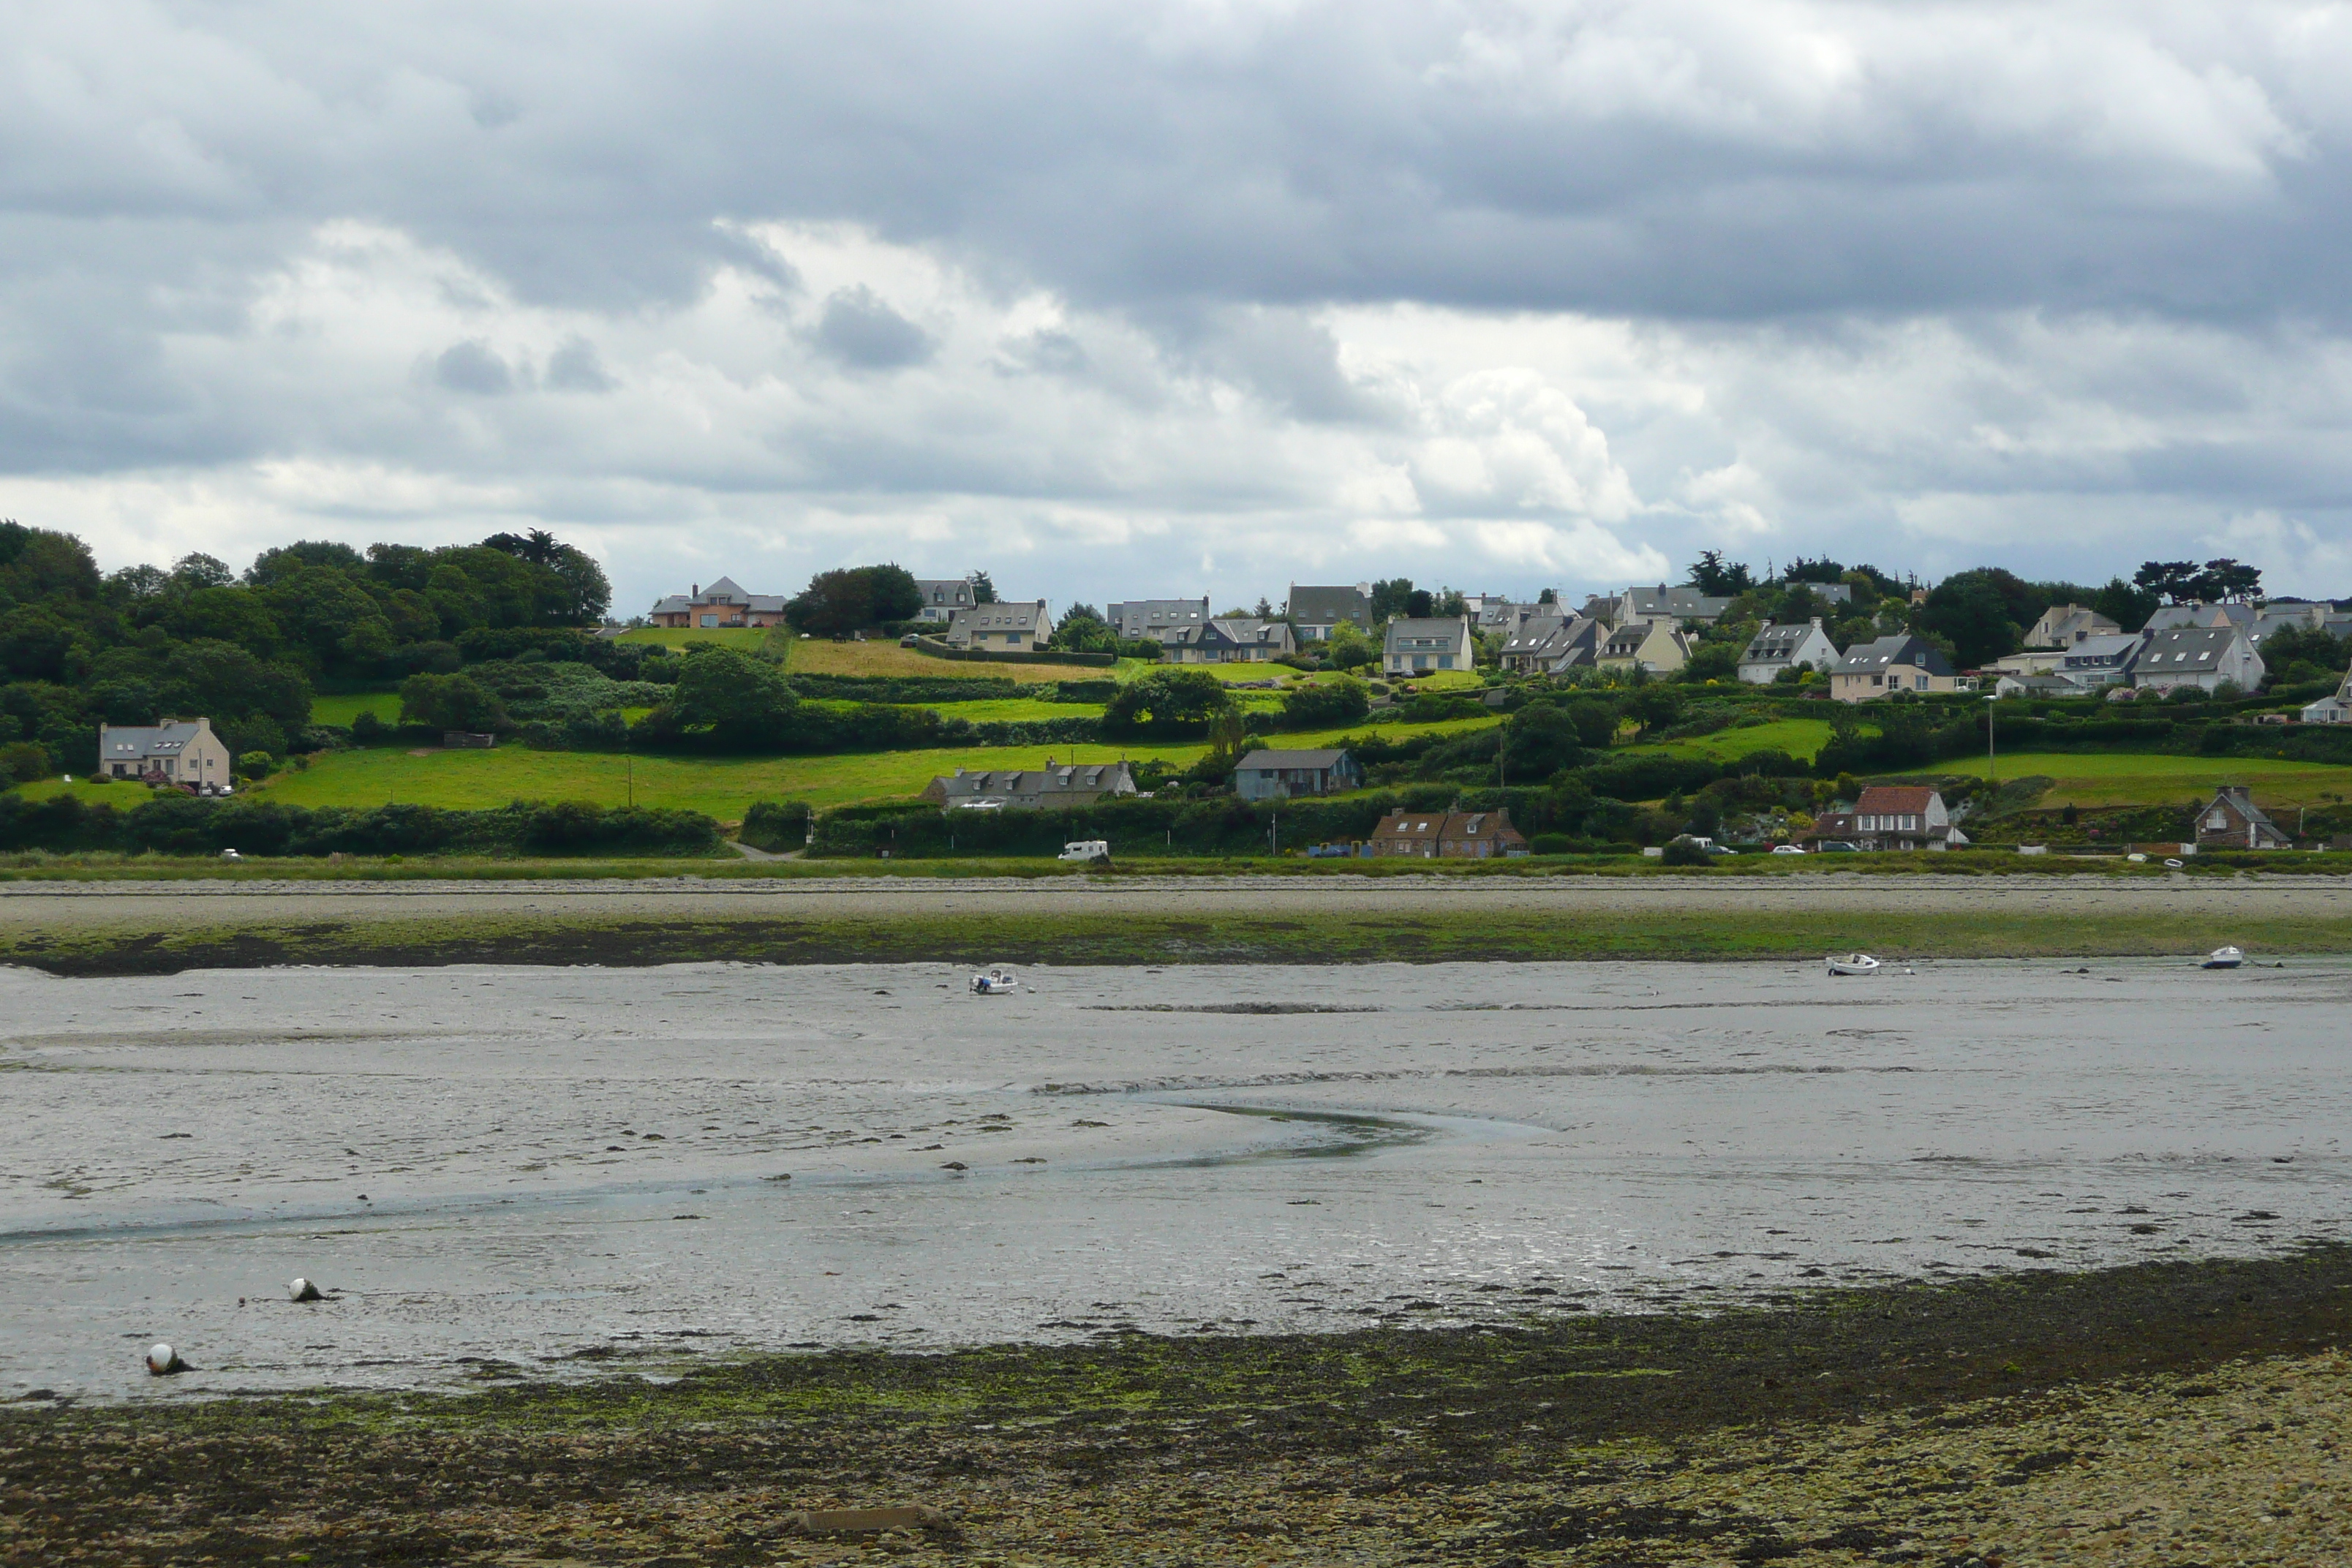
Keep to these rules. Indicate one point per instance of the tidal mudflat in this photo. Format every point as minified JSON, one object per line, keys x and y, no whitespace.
{"x":500,"y":1172}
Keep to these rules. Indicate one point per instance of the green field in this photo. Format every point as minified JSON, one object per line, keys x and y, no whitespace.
{"x":2109,"y":778}
{"x":720,"y":786}
{"x":342,"y":707}
{"x":1798,"y":737}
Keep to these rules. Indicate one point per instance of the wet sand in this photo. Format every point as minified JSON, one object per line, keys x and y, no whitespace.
{"x":498,"y":1172}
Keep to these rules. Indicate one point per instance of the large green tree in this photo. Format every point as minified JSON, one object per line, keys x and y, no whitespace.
{"x":1166,"y":701}
{"x":854,"y":598}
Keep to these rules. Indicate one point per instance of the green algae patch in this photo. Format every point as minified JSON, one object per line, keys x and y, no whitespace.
{"x":1031,"y":935}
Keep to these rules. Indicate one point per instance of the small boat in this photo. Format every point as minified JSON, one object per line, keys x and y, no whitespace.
{"x":997,"y":982}
{"x":1852,"y":963}
{"x":2172,"y":865}
{"x":2225,"y":958}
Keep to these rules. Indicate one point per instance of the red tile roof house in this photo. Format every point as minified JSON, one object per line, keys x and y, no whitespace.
{"x":1447,"y":836}
{"x":1902,"y":817}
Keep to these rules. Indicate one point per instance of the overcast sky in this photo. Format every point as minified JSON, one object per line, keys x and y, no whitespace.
{"x":1137,"y":300}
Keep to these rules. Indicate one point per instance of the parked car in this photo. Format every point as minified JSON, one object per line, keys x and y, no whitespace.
{"x":1089,"y":851}
{"x":911,"y":639}
{"x":1835,"y":846}
{"x":1788,"y":849}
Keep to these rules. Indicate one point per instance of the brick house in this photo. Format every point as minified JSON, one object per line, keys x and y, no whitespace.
{"x":1447,"y":836}
{"x":2232,"y":821}
{"x":1900,"y":816}
{"x":723,"y":604}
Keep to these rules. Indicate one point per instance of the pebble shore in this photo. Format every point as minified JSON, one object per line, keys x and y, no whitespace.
{"x":2161,"y":1415}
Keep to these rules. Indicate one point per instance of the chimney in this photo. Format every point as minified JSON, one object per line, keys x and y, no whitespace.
{"x":1817,"y":623}
{"x":695,"y":592}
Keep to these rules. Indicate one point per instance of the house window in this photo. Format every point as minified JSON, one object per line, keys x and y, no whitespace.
{"x":1445,"y":661}
{"x":711,"y":620}
{"x":1011,"y":637}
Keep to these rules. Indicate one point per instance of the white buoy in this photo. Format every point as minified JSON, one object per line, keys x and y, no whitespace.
{"x":162,"y":1360}
{"x":300,"y":1289}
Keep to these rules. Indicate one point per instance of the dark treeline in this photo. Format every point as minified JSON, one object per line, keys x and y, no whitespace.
{"x":182,"y":825}
{"x":249,"y":649}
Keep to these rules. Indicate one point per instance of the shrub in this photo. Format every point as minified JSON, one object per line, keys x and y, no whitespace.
{"x":1341,"y":701}
{"x":1685,"y":852}
{"x":22,"y":761}
{"x":449,"y":703}
{"x":367,"y":726}
{"x":775,"y":827}
{"x":1552,"y":843}
{"x":256,"y":765}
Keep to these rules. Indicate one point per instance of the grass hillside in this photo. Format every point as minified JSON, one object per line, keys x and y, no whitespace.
{"x":2109,"y":778}
{"x":722,"y":786}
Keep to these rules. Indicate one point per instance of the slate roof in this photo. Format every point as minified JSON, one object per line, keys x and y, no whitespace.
{"x":138,"y":743}
{"x":1886,"y":652}
{"x":1261,"y":761}
{"x":1314,"y":606}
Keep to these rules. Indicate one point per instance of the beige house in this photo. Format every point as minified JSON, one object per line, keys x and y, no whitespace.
{"x":1020,"y":625}
{"x":1657,"y":647}
{"x":177,"y":750}
{"x":1898,"y":663}
{"x":1421,"y":647}
{"x":2063,"y":626}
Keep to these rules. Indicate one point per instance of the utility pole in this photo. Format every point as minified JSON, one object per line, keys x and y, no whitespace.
{"x":1992,"y":771}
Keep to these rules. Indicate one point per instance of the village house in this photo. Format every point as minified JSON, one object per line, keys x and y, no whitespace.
{"x":2232,"y":821}
{"x":1159,"y":619}
{"x":1657,"y":647}
{"x":1898,"y":663}
{"x":723,"y":604}
{"x":1285,"y":776}
{"x":2205,"y":656}
{"x":1577,"y":646}
{"x":1524,"y":650}
{"x":1447,"y":836}
{"x":1223,"y":639}
{"x":2199,"y":615}
{"x":176,"y":751}
{"x":1421,"y":647}
{"x":942,"y":598}
{"x":1019,"y":625}
{"x":1319,"y":612}
{"x":2334,"y":709}
{"x":1774,"y":648}
{"x":1054,"y":787}
{"x":1679,"y":603}
{"x":1895,"y":817}
{"x":2063,"y":626}
{"x":2098,"y":661}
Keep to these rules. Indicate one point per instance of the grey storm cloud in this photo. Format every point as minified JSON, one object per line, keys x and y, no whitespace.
{"x":860,"y":330}
{"x":1814,"y":270}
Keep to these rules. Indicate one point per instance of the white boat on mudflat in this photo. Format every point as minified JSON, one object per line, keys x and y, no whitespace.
{"x":997,"y":982}
{"x":2225,"y":958}
{"x":1853,"y":964}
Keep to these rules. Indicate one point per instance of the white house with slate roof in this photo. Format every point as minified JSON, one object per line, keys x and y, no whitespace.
{"x":2334,"y":709}
{"x":2197,"y":656}
{"x":942,"y":598}
{"x":1318,"y":612}
{"x":1160,"y":619}
{"x":723,"y":604}
{"x":177,"y":750}
{"x":1774,"y":648}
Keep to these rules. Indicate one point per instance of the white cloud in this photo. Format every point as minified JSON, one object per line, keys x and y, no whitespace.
{"x":1537,"y":288}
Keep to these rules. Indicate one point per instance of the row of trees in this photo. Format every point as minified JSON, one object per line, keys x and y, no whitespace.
{"x":79,"y":647}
